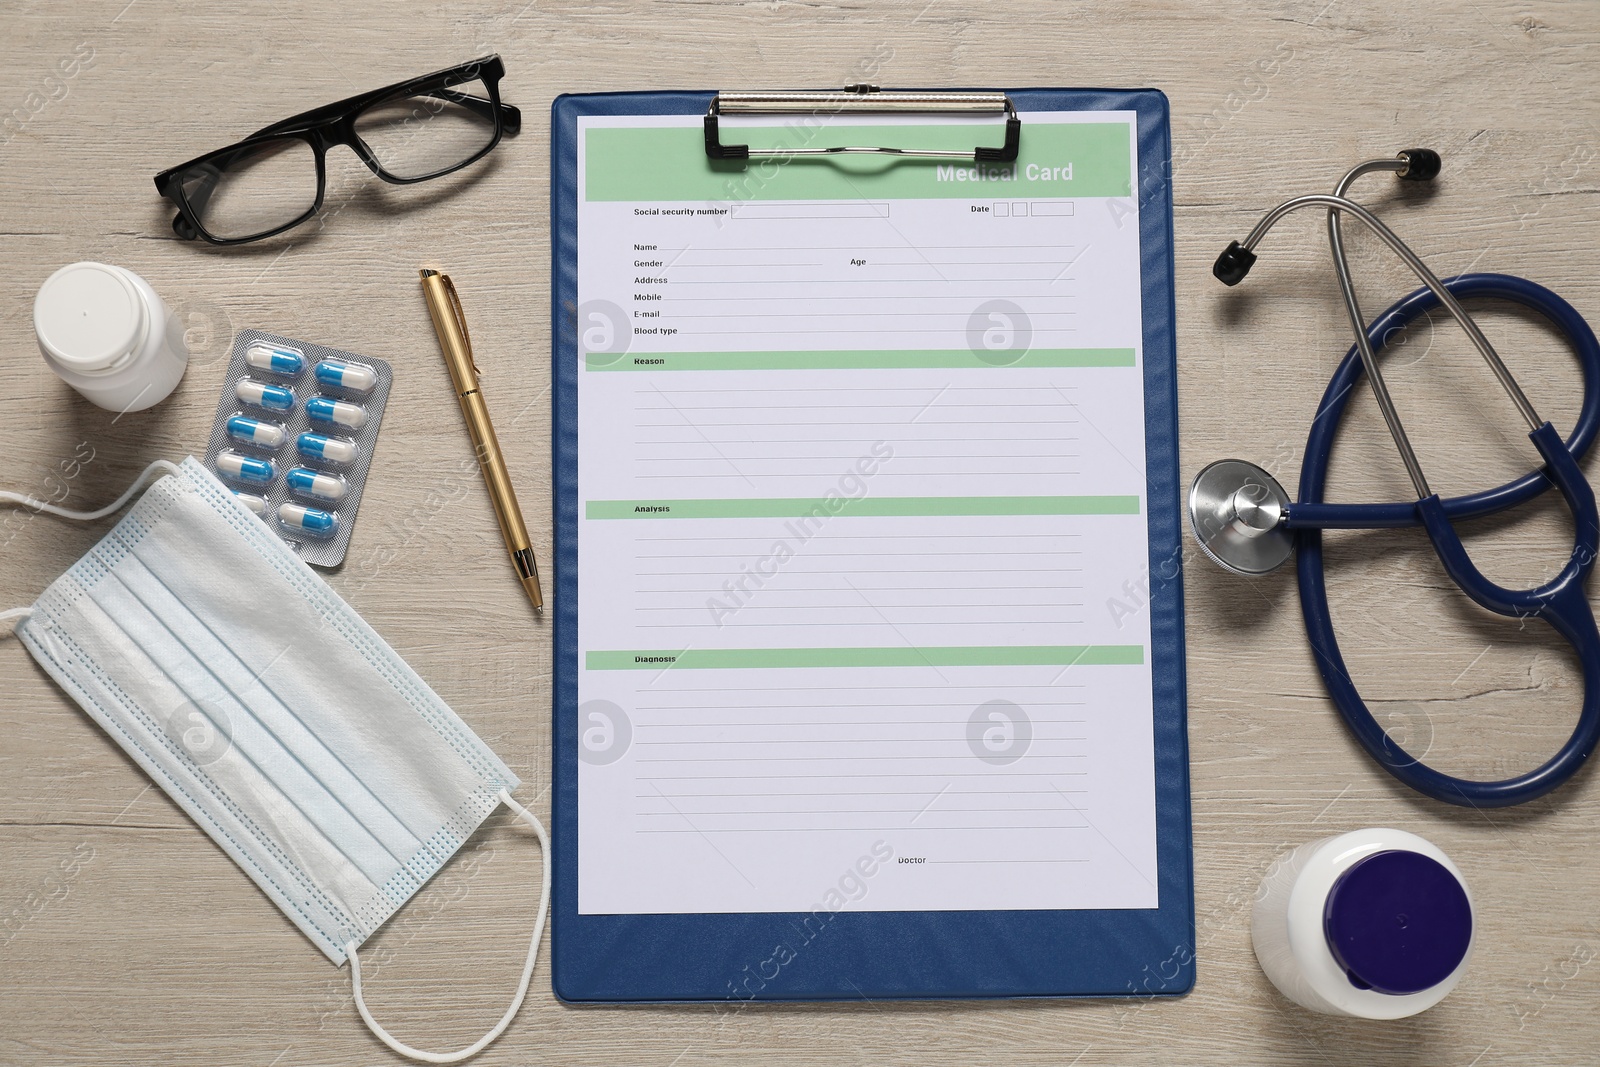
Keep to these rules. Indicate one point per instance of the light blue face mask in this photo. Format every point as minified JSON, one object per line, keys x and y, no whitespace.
{"x":272,"y":713}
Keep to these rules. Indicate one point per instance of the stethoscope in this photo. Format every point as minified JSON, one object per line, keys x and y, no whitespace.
{"x":1245,"y":521}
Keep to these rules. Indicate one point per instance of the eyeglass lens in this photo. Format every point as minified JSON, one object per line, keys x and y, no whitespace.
{"x":254,"y":189}
{"x":420,"y":135}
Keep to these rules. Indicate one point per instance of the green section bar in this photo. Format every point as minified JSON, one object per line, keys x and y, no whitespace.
{"x":766,"y":658}
{"x":669,"y":163}
{"x":860,"y":360}
{"x":880,"y":506}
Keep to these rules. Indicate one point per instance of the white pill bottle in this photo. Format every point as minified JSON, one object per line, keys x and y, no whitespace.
{"x":107,"y":334}
{"x":1372,"y":924}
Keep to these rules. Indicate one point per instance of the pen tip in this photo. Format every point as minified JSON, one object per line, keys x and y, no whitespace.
{"x":427,"y":273}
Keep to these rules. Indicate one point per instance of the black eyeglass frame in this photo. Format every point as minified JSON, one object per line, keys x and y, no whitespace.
{"x":334,"y":124}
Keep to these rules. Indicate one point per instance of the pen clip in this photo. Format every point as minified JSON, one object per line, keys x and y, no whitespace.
{"x":461,"y":320}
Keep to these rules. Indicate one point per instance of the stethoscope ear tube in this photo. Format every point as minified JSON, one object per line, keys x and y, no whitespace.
{"x":1561,"y":602}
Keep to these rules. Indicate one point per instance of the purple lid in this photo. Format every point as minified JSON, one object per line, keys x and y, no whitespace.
{"x":1398,"y":922}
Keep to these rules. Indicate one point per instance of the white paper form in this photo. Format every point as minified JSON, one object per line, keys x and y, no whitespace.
{"x":862,"y":523}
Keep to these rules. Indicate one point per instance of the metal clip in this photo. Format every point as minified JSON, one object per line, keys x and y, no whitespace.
{"x":461,"y":321}
{"x":862,"y":98}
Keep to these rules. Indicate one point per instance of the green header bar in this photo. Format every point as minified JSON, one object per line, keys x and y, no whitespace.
{"x":860,"y":360}
{"x":669,"y":163}
{"x":867,"y":506}
{"x":769,"y":658}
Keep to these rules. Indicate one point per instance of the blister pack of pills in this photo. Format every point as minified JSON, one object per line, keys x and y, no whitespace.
{"x":293,"y":439}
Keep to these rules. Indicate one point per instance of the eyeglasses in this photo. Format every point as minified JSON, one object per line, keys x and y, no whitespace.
{"x":408,"y":132}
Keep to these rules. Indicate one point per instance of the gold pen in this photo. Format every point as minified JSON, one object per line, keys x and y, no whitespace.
{"x":450,"y":323}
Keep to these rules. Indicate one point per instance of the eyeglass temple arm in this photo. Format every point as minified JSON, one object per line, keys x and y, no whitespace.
{"x":305,"y":119}
{"x":510,"y":117}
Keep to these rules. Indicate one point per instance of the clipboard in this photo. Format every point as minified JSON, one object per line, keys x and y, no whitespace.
{"x":608,"y":958}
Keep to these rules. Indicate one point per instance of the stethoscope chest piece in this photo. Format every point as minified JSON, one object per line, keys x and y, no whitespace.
{"x":1238,"y":511}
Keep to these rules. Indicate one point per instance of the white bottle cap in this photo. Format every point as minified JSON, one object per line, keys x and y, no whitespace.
{"x":89,"y":317}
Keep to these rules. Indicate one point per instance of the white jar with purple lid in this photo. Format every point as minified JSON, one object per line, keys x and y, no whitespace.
{"x":1372,"y":924}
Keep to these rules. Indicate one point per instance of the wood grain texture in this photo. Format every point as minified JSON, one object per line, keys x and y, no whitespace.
{"x":132,"y":939}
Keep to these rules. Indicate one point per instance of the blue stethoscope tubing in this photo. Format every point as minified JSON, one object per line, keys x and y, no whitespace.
{"x":1560,"y":602}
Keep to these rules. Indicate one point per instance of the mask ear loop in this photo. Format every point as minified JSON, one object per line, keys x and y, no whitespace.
{"x":23,"y":500}
{"x":522,"y":988}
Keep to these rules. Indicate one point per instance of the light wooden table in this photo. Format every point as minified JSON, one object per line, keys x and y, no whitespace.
{"x":131,"y":939}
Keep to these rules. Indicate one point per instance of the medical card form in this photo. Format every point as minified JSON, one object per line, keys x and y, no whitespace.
{"x":862,"y":521}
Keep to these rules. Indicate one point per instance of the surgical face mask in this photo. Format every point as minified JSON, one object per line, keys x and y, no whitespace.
{"x":269,"y":711}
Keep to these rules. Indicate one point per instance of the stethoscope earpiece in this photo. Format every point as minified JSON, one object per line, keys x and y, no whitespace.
{"x":1234,"y":263}
{"x":1422,"y":165}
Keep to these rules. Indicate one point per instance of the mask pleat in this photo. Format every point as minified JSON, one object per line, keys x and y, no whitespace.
{"x":88,"y":646}
{"x":329,"y":683}
{"x":250,"y":724}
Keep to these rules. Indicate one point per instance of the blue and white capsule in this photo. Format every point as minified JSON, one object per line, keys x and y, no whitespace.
{"x":313,"y":521}
{"x":275,"y":359}
{"x":307,"y":482}
{"x":357,"y":377}
{"x":256,"y":504}
{"x":242,"y":468}
{"x":263,"y":395}
{"x":255,"y":432}
{"x":323,"y":447}
{"x":338,"y":412}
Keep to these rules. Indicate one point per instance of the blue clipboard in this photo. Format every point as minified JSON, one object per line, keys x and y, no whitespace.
{"x":734,"y":958}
